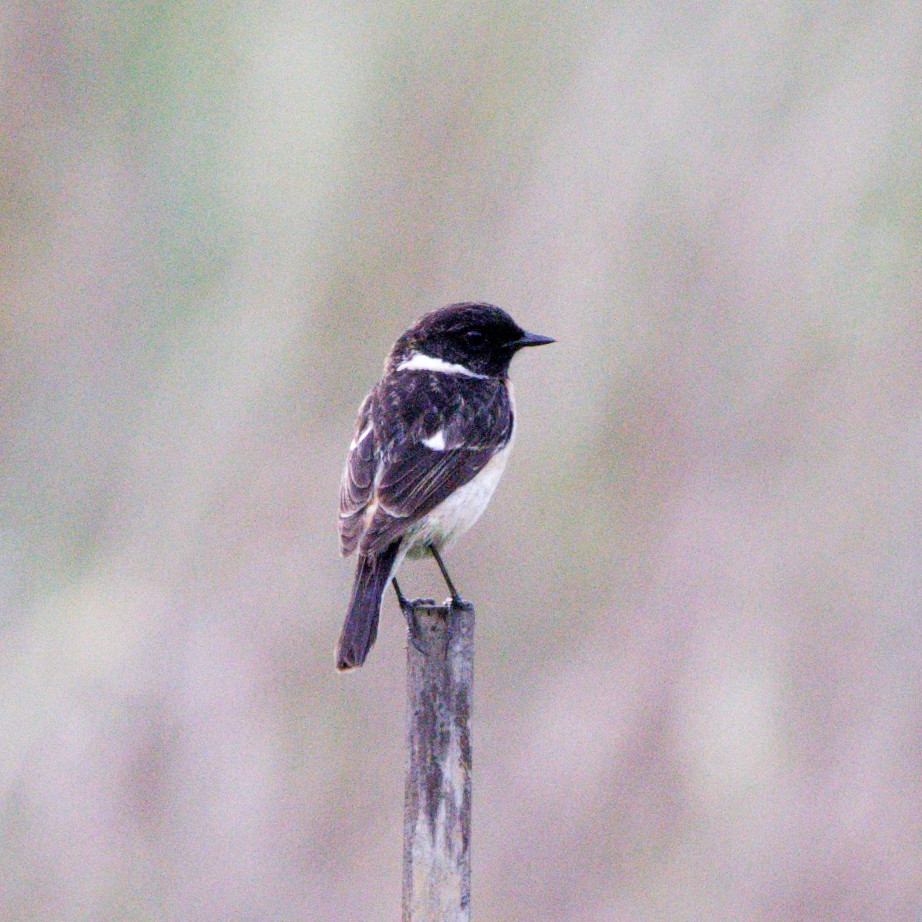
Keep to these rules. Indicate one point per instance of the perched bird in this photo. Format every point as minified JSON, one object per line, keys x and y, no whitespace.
{"x":430,"y":444}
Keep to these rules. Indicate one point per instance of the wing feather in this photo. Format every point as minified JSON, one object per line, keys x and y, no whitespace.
{"x":414,"y":478}
{"x":357,"y":485}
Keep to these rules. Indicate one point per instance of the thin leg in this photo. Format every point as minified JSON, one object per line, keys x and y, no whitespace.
{"x":455,"y":598}
{"x":401,"y":598}
{"x":409,"y":613}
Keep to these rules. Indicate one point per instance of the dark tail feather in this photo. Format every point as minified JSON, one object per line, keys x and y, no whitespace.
{"x":361,"y":627}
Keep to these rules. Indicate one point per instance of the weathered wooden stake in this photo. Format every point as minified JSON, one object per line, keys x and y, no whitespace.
{"x":437,"y":810}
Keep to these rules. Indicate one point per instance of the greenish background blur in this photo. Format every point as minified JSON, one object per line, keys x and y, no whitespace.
{"x":699,"y":667}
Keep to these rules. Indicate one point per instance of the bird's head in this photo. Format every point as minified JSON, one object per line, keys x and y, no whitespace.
{"x":480,"y":338}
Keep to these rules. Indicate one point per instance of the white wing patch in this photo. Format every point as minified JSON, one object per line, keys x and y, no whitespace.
{"x":418,"y":361}
{"x":436,"y":442}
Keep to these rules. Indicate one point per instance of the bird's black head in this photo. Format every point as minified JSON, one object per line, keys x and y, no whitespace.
{"x":480,"y":338}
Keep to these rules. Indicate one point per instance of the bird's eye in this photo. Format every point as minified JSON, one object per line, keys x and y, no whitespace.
{"x":473,"y":338}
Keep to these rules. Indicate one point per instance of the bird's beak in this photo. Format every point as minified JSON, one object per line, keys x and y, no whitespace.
{"x":532,"y":339}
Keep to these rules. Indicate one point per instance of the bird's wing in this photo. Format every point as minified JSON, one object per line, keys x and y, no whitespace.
{"x":356,"y":488}
{"x":452,"y":434}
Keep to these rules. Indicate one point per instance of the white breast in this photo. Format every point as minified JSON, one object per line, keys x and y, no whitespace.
{"x":455,"y":515}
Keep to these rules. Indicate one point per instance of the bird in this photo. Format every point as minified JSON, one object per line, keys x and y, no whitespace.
{"x":429,"y":447}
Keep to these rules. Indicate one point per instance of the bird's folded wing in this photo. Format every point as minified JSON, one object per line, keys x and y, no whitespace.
{"x":427,"y":464}
{"x":358,"y":480}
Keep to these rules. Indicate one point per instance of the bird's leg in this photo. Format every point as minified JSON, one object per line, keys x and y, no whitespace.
{"x":402,"y":600}
{"x":456,"y":599}
{"x":409,"y":604}
{"x":409,"y":613}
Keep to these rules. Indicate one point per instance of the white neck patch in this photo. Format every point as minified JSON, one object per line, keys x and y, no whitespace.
{"x":418,"y":361}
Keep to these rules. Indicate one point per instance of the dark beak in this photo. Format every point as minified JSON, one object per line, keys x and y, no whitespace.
{"x":532,"y":339}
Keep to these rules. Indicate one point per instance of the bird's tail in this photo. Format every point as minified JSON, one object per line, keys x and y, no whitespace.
{"x":361,"y":627}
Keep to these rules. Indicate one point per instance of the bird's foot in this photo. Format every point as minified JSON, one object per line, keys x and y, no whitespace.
{"x":410,"y":609}
{"x":427,"y":633}
{"x":432,"y":631}
{"x":452,"y":605}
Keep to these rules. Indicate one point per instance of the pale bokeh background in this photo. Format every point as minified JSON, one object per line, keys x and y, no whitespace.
{"x":699,"y":588}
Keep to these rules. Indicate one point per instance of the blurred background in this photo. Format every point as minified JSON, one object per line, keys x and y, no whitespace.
{"x":699,"y":636}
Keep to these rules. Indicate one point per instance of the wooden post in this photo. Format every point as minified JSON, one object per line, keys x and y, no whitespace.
{"x":437,"y":810}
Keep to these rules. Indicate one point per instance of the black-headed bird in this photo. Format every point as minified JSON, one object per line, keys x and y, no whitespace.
{"x":430,"y":445}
